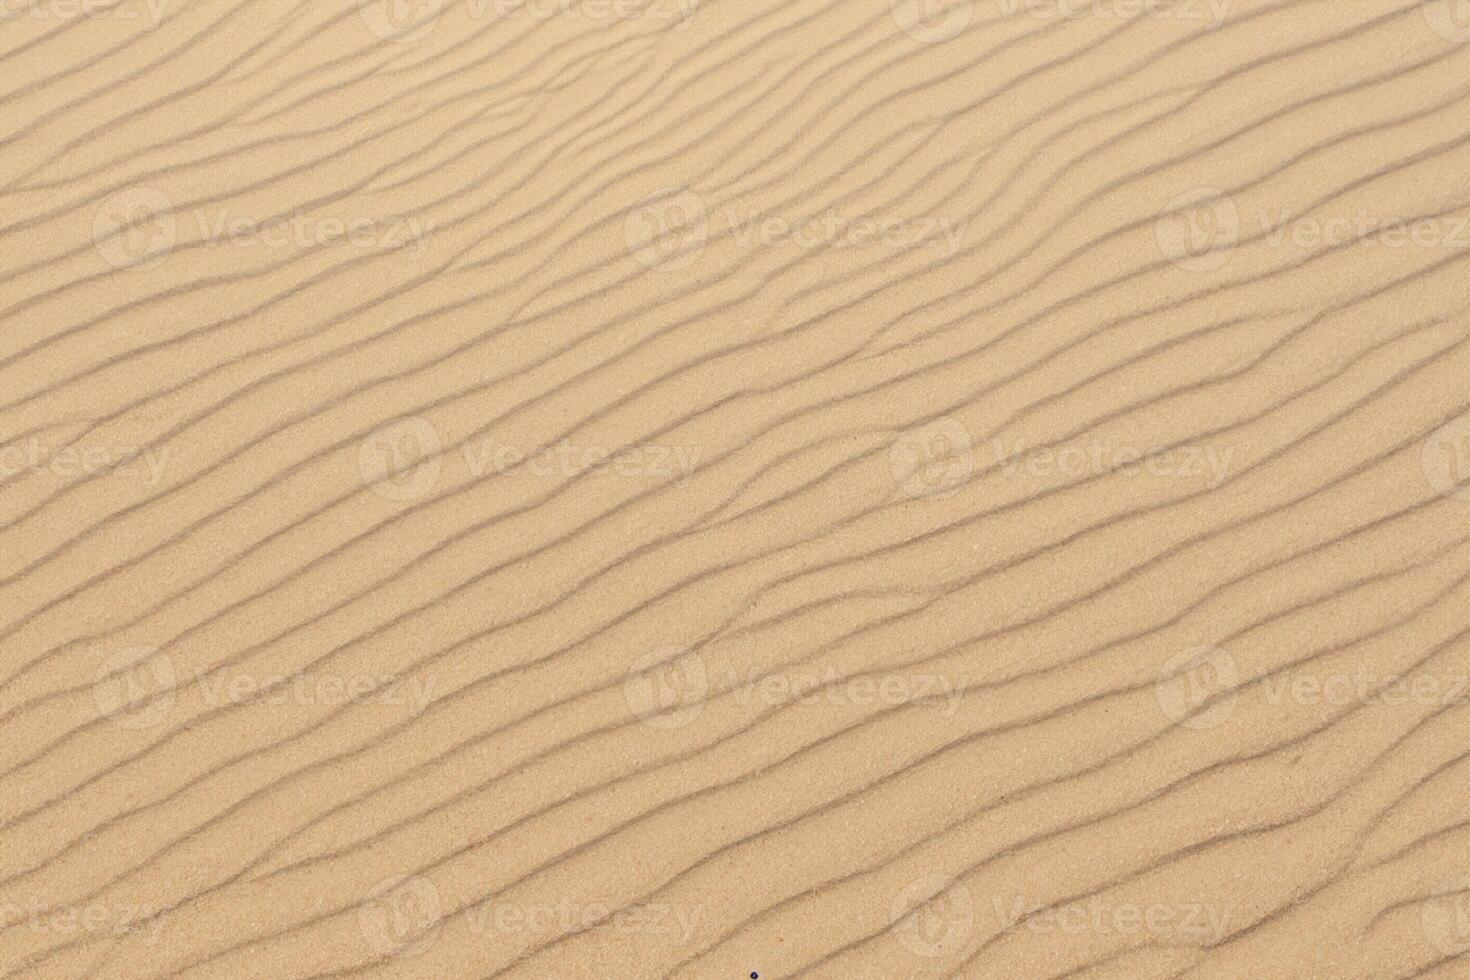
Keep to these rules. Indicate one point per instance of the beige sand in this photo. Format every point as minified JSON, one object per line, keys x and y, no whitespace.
{"x":717,"y":488}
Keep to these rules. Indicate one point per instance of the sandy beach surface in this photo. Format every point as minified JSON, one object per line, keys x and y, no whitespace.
{"x":724,"y":489}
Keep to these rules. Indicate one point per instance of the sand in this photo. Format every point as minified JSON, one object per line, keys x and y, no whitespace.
{"x":734,"y":488}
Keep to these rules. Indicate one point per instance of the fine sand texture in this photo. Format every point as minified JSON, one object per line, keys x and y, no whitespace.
{"x":722,"y":489}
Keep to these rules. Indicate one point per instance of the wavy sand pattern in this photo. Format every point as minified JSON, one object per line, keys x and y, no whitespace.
{"x":734,"y":488}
